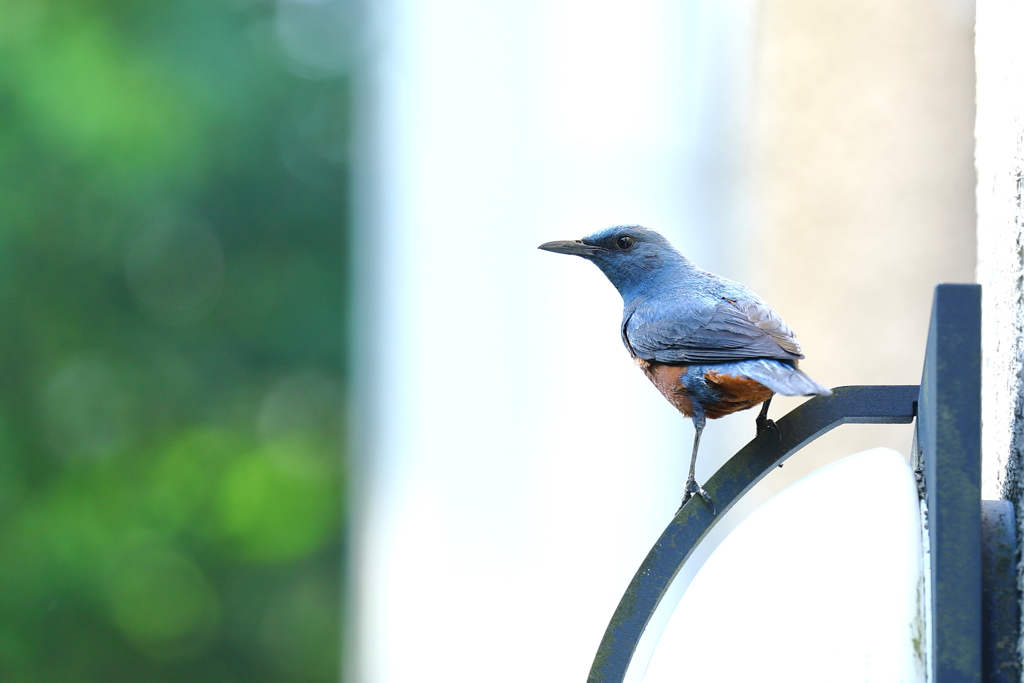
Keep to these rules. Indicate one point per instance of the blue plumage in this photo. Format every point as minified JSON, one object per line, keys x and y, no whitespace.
{"x":710,"y":345}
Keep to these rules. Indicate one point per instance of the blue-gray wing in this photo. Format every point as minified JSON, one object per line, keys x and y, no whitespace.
{"x":727,"y":330}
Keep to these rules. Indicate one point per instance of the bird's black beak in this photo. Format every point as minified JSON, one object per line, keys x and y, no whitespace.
{"x":574,"y":247}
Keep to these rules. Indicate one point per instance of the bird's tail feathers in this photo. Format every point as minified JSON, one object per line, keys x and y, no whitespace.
{"x":782,"y":378}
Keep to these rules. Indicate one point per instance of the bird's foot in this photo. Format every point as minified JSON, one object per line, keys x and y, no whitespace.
{"x":764,"y":424}
{"x":693,"y":487}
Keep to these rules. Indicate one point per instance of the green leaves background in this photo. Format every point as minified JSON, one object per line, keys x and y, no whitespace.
{"x":172,"y":306}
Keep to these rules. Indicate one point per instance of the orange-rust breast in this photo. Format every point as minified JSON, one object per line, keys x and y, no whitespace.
{"x":736,"y":391}
{"x":667,"y":379}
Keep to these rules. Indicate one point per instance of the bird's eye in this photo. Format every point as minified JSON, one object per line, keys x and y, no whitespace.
{"x":624,"y":242}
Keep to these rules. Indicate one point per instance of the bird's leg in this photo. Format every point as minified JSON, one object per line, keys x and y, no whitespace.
{"x":763,"y":423}
{"x":692,"y":486}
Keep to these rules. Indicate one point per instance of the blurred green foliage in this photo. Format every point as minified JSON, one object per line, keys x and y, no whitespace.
{"x":172,"y":222}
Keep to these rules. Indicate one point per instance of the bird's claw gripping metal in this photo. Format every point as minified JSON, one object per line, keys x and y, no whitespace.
{"x":693,"y":487}
{"x":765,"y":424}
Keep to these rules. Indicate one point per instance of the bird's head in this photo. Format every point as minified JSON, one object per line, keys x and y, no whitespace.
{"x":634,"y":258}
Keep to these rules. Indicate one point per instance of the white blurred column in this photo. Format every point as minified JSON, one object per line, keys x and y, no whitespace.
{"x":512,"y":466}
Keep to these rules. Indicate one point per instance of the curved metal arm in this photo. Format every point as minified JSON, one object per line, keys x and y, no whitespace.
{"x":855,"y":404}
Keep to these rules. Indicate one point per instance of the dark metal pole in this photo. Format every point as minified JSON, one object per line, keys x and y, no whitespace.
{"x":1000,"y":612}
{"x":949,"y":433}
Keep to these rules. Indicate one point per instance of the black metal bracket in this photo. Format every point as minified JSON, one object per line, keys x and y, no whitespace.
{"x":857,"y":404}
{"x":949,"y":439}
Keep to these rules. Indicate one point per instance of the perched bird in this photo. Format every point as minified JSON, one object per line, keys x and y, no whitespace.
{"x":710,"y":345}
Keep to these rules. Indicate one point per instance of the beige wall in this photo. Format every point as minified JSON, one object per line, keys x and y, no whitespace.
{"x":862,"y":146}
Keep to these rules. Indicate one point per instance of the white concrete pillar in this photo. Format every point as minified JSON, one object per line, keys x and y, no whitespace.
{"x":1000,"y":163}
{"x":999,"y":157}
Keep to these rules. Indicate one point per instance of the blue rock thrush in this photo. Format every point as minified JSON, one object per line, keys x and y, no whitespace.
{"x":710,"y":345}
